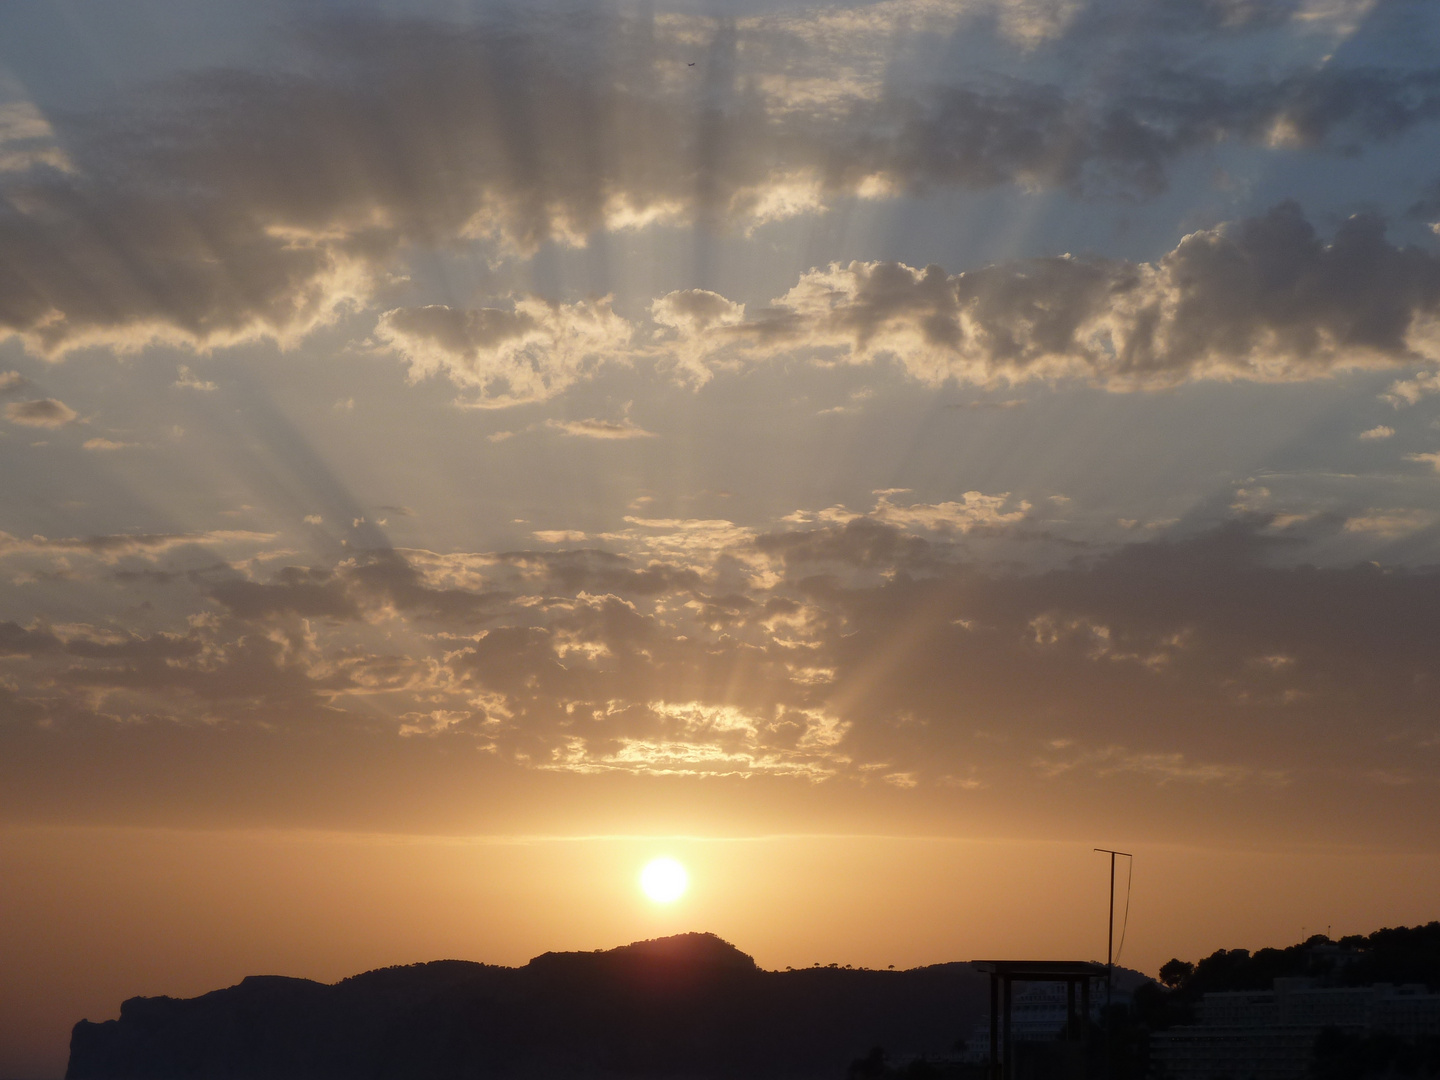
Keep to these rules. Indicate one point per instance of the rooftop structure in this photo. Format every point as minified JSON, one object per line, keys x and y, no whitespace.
{"x":1075,"y":974}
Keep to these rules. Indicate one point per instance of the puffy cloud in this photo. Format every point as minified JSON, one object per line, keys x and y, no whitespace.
{"x":1263,"y":298}
{"x":695,"y":320}
{"x":234,"y":205}
{"x":41,"y":413}
{"x":973,"y":509}
{"x":1410,"y":391}
{"x":1379,"y":431}
{"x":508,"y":356}
{"x":162,"y":267}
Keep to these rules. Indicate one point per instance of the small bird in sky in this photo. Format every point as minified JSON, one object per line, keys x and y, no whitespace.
{"x":690,"y":64}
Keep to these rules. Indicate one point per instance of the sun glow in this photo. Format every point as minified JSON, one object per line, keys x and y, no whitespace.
{"x":664,"y":880}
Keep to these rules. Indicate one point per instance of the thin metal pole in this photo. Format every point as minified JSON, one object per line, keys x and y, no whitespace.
{"x":1110,"y":968}
{"x":994,"y":1025}
{"x":1110,"y":940}
{"x":1007,"y":1039}
{"x":1110,"y":954}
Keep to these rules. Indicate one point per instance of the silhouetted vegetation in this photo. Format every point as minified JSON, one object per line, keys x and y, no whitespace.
{"x":1401,"y":954}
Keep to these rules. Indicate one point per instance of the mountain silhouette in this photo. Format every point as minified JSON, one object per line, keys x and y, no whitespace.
{"x":690,"y":1006}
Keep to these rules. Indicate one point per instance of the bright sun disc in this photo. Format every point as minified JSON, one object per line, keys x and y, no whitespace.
{"x":664,"y":880}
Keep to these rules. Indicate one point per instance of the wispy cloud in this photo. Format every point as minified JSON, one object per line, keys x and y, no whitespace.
{"x":600,"y":429}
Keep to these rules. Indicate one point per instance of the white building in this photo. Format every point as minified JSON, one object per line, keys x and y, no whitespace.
{"x":1270,"y":1034}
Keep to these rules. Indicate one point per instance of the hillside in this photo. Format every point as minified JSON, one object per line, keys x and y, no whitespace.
{"x":691,"y":1006}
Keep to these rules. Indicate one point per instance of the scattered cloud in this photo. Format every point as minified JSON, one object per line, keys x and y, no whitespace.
{"x":1410,"y":391}
{"x":1380,"y":431}
{"x":1162,"y":767}
{"x":1263,"y":299}
{"x":41,"y":413}
{"x":228,"y":216}
{"x":187,"y":380}
{"x":27,"y":141}
{"x":113,"y":546}
{"x":508,"y":356}
{"x":989,"y":406}
{"x":1389,"y":523}
{"x":1433,"y":460}
{"x":600,"y":429}
{"x":972,"y":510}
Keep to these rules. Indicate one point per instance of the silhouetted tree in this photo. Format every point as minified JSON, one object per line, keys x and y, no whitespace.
{"x":1174,"y":972}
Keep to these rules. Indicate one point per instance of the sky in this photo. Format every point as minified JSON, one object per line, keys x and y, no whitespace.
{"x":875,"y":453}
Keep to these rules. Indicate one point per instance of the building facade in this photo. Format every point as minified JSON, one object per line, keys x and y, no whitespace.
{"x":1270,"y":1034}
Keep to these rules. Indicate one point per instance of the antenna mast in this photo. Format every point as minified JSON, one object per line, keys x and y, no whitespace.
{"x":1110,"y":950}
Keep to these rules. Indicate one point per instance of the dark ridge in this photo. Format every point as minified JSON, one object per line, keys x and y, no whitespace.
{"x":687,"y":1006}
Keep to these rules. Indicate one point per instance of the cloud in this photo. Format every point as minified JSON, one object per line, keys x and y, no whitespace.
{"x":1389,"y":523}
{"x":12,"y":382}
{"x":1429,"y":459}
{"x":526,"y":353}
{"x":1161,"y":767}
{"x":230,"y":206}
{"x":1410,"y":391}
{"x":558,"y":536}
{"x":42,"y":413}
{"x":989,"y":406}
{"x":600,"y":429}
{"x":1263,"y":299}
{"x":187,"y":380}
{"x":297,"y":591}
{"x":111,"y":547}
{"x":842,"y":651}
{"x":697,"y":320}
{"x":1380,"y":431}
{"x":972,"y":510}
{"x":105,"y":444}
{"x":27,"y":141}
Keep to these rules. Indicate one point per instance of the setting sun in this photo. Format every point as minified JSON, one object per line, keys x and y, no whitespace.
{"x":664,"y":880}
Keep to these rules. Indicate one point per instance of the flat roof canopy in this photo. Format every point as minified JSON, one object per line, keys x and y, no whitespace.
{"x":1042,"y":970}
